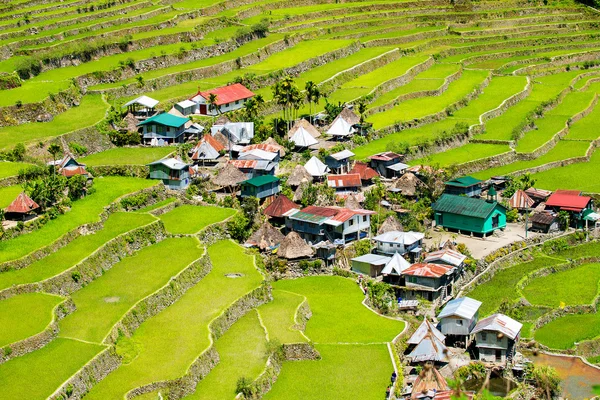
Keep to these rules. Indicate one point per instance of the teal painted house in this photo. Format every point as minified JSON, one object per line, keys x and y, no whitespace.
{"x":261,"y":187}
{"x":467,"y":214}
{"x":174,"y":173}
{"x":465,"y":185}
{"x":163,"y":128}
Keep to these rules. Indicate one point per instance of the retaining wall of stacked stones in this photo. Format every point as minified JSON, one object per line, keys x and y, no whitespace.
{"x":405,"y":39}
{"x":41,"y":339}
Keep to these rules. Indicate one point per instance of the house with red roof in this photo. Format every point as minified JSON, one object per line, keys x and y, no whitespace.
{"x":21,"y":209}
{"x":573,"y":202}
{"x":388,"y":164}
{"x":68,"y":166}
{"x":367,"y":174}
{"x":207,"y":151}
{"x":430,"y":281}
{"x":346,"y":183}
{"x":280,"y":207}
{"x":335,"y":224}
{"x":229,"y":98}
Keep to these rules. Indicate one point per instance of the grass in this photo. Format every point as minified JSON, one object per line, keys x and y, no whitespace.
{"x":188,"y":219}
{"x":83,"y":211}
{"x":104,"y":301}
{"x":8,"y":194}
{"x":562,"y":151}
{"x":165,"y":345}
{"x":585,"y":129}
{"x":242,"y":353}
{"x":574,"y":176}
{"x":157,"y":205}
{"x":503,"y":285}
{"x":11,"y":168}
{"x":564,"y":332}
{"x":127,"y":156}
{"x":571,"y":287}
{"x":278,"y":317}
{"x":463,"y":154}
{"x":53,"y":365}
{"x":88,"y":113}
{"x":25,"y":315}
{"x":76,"y":251}
{"x":344,"y":372}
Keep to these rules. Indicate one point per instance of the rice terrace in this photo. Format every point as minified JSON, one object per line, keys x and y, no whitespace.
{"x":319,"y":199}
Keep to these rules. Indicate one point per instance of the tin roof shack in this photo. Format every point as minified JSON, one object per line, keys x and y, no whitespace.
{"x":432,"y":282}
{"x":447,"y":257}
{"x":261,"y":187}
{"x":336,"y":224}
{"x":465,"y":185}
{"x":174,"y":173}
{"x":141,"y":107}
{"x":316,"y":168}
{"x":457,"y":320}
{"x":165,"y":128}
{"x":280,"y":208}
{"x":207,"y":151}
{"x":68,"y":166}
{"x":234,"y":132}
{"x":399,"y":242}
{"x":383,"y":161}
{"x":392,"y":272}
{"x":344,"y":125}
{"x":427,"y":344}
{"x":538,"y":195}
{"x":370,"y":264}
{"x":467,"y":214}
{"x":495,"y":338}
{"x":339,"y":163}
{"x":366,"y":173}
{"x":22,"y":208}
{"x":572,"y":202}
{"x":343,"y":184}
{"x":544,"y":222}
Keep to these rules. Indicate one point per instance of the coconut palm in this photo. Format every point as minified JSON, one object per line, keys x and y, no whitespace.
{"x":54,"y":149}
{"x":212,"y":104}
{"x":313,"y":95}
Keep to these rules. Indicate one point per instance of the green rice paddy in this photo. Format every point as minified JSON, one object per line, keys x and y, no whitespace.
{"x":188,"y":219}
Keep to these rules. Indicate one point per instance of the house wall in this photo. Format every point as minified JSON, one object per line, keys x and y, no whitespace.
{"x":471,"y":191}
{"x":236,"y":105}
{"x":391,"y":248}
{"x":488,"y":346}
{"x":367,"y":269}
{"x":338,"y":166}
{"x":315,"y":232}
{"x":471,"y":224}
{"x":186,"y":110}
{"x":163,"y":132}
{"x":260,"y":192}
{"x":454,"y":325}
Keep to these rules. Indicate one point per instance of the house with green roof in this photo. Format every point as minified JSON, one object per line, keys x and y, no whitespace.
{"x":261,"y":187}
{"x":469,"y":215}
{"x":465,"y":185}
{"x":163,"y":129}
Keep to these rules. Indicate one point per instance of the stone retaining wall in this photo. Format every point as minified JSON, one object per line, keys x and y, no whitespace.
{"x":134,"y":171}
{"x":405,"y":39}
{"x":41,"y":339}
{"x":10,"y":181}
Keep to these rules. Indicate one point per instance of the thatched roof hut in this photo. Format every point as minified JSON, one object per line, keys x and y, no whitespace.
{"x":429,"y":380}
{"x":408,"y":185}
{"x":293,"y":246}
{"x":299,"y":191}
{"x":349,"y":116}
{"x":267,"y":236}
{"x":222,"y":120}
{"x":308,"y":127}
{"x":228,"y":176}
{"x":223,"y":140}
{"x":299,"y":175}
{"x":390,"y":224}
{"x":352,"y":202}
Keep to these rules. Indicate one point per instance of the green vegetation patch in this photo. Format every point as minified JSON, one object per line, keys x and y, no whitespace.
{"x":127,"y":156}
{"x":157,"y":205}
{"x":8,"y":194}
{"x":188,"y":219}
{"x":575,"y":176}
{"x":278,"y":316}
{"x":463,"y":154}
{"x":564,"y":332}
{"x":11,"y":168}
{"x":76,"y":251}
{"x":25,"y":315}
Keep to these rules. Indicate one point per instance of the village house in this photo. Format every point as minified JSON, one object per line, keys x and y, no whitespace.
{"x":339,"y":163}
{"x":399,"y":242}
{"x":229,"y":98}
{"x":280,"y":208}
{"x":469,"y":215}
{"x":344,"y":184}
{"x":336,"y":224}
{"x":457,"y":320}
{"x":303,"y":134}
{"x":344,"y":125}
{"x":544,"y":222}
{"x":235,"y":133}
{"x":433,"y":282}
{"x":163,"y":129}
{"x":261,"y":187}
{"x":427,"y":344}
{"x":316,"y":168}
{"x":521,"y":201}
{"x":495,"y":338}
{"x":366,"y":173}
{"x":573,"y":203}
{"x":254,"y":168}
{"x":141,"y":107}
{"x":382,"y":162}
{"x":370,"y":264}
{"x":394,"y":269}
{"x":207,"y":151}
{"x":68,"y":166}
{"x":174,"y":173}
{"x":22,"y":208}
{"x":465,"y":185}
{"x":447,"y":257}
{"x":408,"y":185}
{"x":538,"y":195}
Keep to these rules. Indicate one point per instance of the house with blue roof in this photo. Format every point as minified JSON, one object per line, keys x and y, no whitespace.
{"x":163,"y":129}
{"x":458,"y":318}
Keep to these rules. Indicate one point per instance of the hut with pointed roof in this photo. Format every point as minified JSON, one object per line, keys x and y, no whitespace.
{"x":267,"y":237}
{"x":429,"y":384}
{"x":21,"y":209}
{"x":427,"y":344}
{"x":316,"y":168}
{"x":229,"y":177}
{"x":279,"y":208}
{"x":294,"y":247}
{"x":343,"y":125}
{"x":352,"y":202}
{"x":207,"y":151}
{"x":390,"y":224}
{"x":306,"y":126}
{"x":521,"y":201}
{"x":298,"y":176}
{"x":408,"y":185}
{"x":367,"y":174}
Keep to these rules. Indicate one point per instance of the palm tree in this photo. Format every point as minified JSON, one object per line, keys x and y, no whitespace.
{"x":564,"y":220}
{"x":54,"y":149}
{"x":212,"y":104}
{"x":362,"y":108}
{"x":310,"y":88}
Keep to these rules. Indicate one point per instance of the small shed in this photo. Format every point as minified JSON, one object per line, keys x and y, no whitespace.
{"x":447,"y":257}
{"x":370,"y":264}
{"x":174,"y":173}
{"x":293,"y":247}
{"x":303,"y":139}
{"x":346,"y":183}
{"x":316,"y":168}
{"x":544,"y":222}
{"x":280,"y":208}
{"x":142,"y":106}
{"x":22,"y":208}
{"x":207,"y":151}
{"x":261,"y":187}
{"x":367,"y":174}
{"x":306,"y":126}
{"x":427,"y":344}
{"x":496,"y":337}
{"x":521,"y":201}
{"x":229,"y":177}
{"x":382,"y":161}
{"x":185,"y":107}
{"x":339,"y":162}
{"x":344,"y":125}
{"x":465,"y":185}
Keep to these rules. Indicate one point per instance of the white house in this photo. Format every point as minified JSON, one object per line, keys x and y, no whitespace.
{"x":236,"y":132}
{"x":229,"y":98}
{"x":399,"y":242}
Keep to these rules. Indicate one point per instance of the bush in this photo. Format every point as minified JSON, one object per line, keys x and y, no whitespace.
{"x":135,"y":201}
{"x":125,"y":138}
{"x":512,"y":215}
{"x":28,"y":67}
{"x":77,"y":148}
{"x":76,"y":276}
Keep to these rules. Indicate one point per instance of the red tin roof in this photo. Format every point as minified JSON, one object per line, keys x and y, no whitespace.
{"x":22,"y":205}
{"x":427,"y":270}
{"x":386,"y":156}
{"x":366,"y":173}
{"x":280,"y":206}
{"x":271,"y":148}
{"x":228,"y":94}
{"x":244,"y":164}
{"x":568,"y":200}
{"x":520,"y":200}
{"x":344,"y":181}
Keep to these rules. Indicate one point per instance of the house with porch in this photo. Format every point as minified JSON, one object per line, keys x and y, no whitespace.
{"x":261,"y":187}
{"x":141,"y":107}
{"x":572,"y":202}
{"x":469,"y":215}
{"x":388,"y":164}
{"x":339,"y":163}
{"x":229,"y":98}
{"x":163,"y":129}
{"x":465,"y":186}
{"x":496,"y":337}
{"x":337,"y":224}
{"x":174,"y":173}
{"x":458,"y":318}
{"x":432,"y":282}
{"x":392,"y":242}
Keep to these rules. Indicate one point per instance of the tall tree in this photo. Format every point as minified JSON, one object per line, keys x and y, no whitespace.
{"x":54,"y":149}
{"x":213,"y":104}
{"x":313,"y":95}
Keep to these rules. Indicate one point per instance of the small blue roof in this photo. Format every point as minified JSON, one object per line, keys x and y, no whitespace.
{"x":463,"y":307}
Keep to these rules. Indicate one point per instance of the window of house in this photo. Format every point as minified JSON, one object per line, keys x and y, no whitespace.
{"x":412,"y":279}
{"x":364,"y":218}
{"x":459,"y":322}
{"x":237,"y":102}
{"x":351,"y":222}
{"x":484,"y":336}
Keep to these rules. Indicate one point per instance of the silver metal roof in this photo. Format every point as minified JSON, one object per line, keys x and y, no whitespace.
{"x":463,"y":307}
{"x":374,"y":259}
{"x":499,"y":323}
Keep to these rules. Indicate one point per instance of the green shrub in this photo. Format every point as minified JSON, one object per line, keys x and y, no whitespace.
{"x":76,"y":276}
{"x":77,"y":148}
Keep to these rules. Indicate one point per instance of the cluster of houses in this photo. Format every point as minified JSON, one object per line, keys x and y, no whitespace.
{"x":491,"y":340}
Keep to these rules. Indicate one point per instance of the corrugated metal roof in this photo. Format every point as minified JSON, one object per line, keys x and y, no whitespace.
{"x":428,"y":270}
{"x":261,"y":180}
{"x":344,"y":181}
{"x":374,"y":259}
{"x":342,"y":155}
{"x":165,"y":119}
{"x":396,"y":265}
{"x":366,"y":173}
{"x":520,"y":200}
{"x":499,"y":323}
{"x":544,"y":218}
{"x":449,"y":256}
{"x":430,"y":348}
{"x":227,"y":94}
{"x":244,"y":164}
{"x":386,"y":156}
{"x":464,"y":181}
{"x":315,"y":167}
{"x":425,"y":327}
{"x":462,"y":205}
{"x":144,"y":101}
{"x":22,"y":204}
{"x":405,"y":238}
{"x":568,"y":200}
{"x":463,"y":307}
{"x":280,"y":207}
{"x":171,"y":163}
{"x":538,"y":193}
